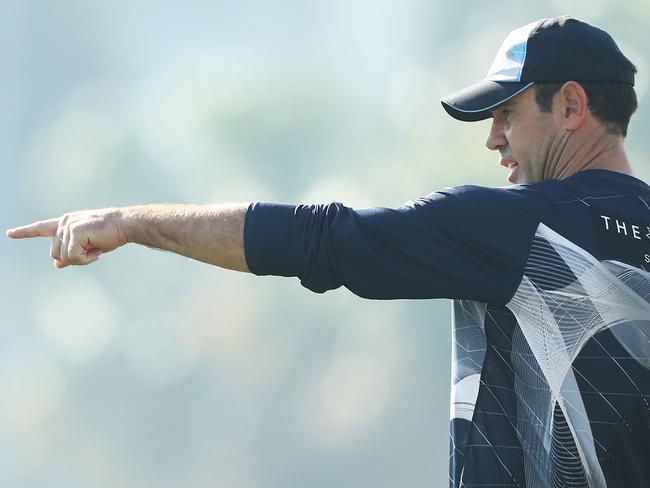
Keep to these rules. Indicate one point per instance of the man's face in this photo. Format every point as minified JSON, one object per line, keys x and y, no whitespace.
{"x":523,"y":135}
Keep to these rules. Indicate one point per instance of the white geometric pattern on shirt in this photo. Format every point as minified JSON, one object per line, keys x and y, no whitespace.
{"x":566,"y":296}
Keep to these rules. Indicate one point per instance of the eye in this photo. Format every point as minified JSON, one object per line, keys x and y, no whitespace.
{"x":501,"y":114}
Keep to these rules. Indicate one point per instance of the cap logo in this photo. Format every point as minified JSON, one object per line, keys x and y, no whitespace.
{"x":509,"y":61}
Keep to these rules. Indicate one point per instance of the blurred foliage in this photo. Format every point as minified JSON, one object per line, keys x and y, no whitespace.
{"x":148,"y":369}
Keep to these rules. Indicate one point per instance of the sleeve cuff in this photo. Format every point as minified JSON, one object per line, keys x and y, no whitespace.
{"x":268,"y":232}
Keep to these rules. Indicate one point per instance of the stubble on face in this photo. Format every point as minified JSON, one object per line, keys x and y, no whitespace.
{"x":528,"y":137}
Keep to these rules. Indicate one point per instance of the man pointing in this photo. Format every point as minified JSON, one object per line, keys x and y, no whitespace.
{"x":549,"y":276}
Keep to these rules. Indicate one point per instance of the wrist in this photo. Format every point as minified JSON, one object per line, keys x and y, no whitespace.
{"x":128,"y":224}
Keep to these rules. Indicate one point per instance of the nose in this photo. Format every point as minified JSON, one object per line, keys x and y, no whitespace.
{"x":496,"y":138}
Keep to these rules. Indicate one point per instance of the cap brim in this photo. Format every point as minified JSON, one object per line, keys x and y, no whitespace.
{"x":475,"y":102}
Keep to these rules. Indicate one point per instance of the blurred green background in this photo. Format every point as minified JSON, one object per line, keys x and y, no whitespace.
{"x":148,"y":369}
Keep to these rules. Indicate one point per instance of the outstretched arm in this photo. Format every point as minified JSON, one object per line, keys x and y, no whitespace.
{"x":452,"y":243}
{"x":210,"y":233}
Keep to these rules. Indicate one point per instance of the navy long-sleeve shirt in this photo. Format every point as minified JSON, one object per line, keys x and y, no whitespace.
{"x":551,"y":289}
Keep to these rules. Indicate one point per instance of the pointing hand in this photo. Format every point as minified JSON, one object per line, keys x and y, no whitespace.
{"x":78,"y":237}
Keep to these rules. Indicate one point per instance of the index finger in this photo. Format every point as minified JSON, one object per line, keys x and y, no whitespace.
{"x":44,"y":228}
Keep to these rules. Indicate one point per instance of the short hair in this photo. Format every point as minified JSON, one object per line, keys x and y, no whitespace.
{"x":612,"y":103}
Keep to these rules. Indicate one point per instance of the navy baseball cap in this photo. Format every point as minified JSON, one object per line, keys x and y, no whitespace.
{"x":548,"y":50}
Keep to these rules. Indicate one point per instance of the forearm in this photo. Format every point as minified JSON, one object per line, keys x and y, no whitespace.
{"x":212,"y":233}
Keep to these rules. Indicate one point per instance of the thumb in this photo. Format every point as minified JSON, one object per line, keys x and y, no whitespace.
{"x":93,"y":253}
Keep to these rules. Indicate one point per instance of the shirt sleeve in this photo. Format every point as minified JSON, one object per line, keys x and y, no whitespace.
{"x":463,"y":242}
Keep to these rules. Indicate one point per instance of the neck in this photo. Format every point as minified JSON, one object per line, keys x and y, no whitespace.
{"x":577,"y":153}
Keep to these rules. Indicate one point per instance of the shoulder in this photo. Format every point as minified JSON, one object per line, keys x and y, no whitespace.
{"x":488,"y":202}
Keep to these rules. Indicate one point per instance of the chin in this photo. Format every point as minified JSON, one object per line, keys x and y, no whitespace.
{"x":516,"y":179}
{"x":519,"y":177}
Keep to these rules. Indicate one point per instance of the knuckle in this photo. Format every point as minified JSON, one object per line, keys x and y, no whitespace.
{"x":76,"y":238}
{"x":60,"y":230}
{"x":54,"y":252}
{"x":77,"y":227}
{"x":75,"y":253}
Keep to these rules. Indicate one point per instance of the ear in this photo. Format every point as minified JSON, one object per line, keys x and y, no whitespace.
{"x":573,"y":106}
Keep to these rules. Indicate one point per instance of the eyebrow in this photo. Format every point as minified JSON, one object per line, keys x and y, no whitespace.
{"x":507,"y":105}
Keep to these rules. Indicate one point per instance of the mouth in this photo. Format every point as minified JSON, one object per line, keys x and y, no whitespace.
{"x":512,"y":166}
